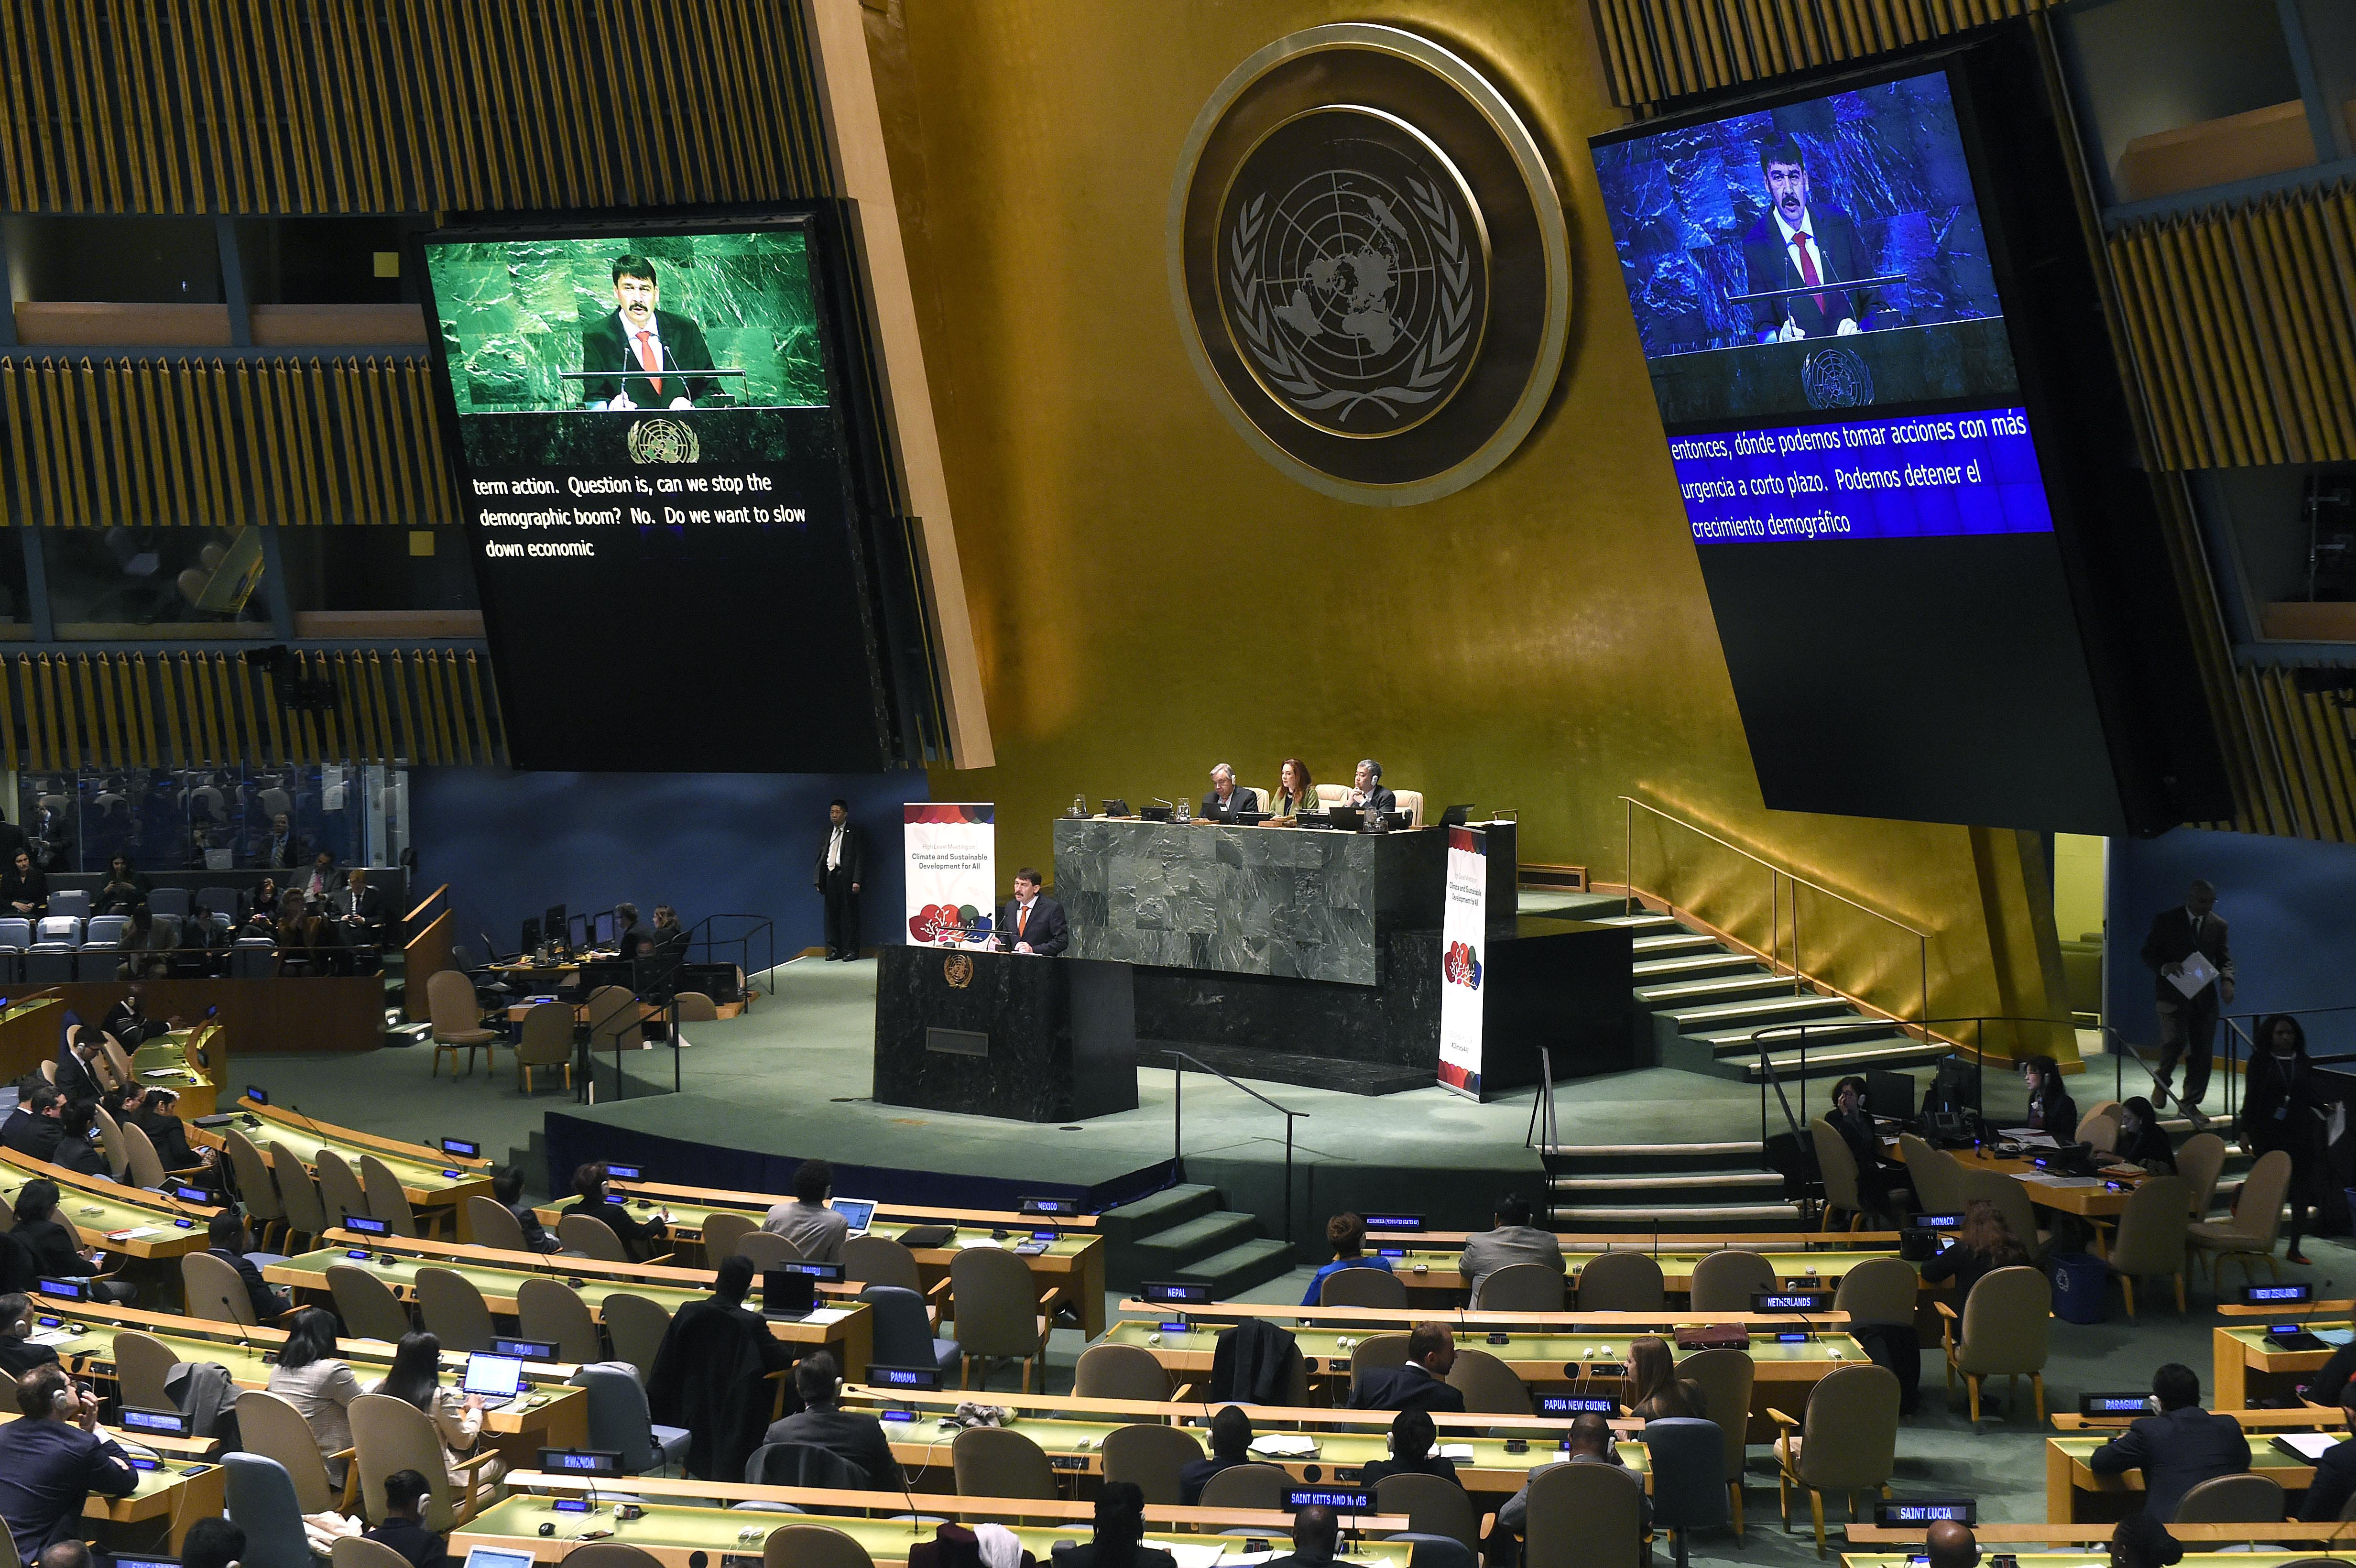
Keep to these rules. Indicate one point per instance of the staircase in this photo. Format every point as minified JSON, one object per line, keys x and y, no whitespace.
{"x":1667,"y":1189}
{"x":1182,"y":1234}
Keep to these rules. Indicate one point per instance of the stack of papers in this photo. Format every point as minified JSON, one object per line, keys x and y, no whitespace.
{"x":2308,"y":1446}
{"x":828,"y":1315}
{"x":2031,"y":1137}
{"x":2047,"y":1179}
{"x":1285,"y":1445}
{"x":978,"y":1242}
{"x":55,"y":1337}
{"x":1463,"y":1451}
{"x":1192,"y":1553}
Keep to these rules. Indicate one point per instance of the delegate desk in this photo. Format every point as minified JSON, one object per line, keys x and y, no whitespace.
{"x":1073,"y":1262}
{"x":2245,"y":1367}
{"x":2099,"y":1196}
{"x":845,"y":1327}
{"x":554,"y":1416}
{"x":110,"y":1217}
{"x":436,"y":1184}
{"x":1429,"y":1263}
{"x":676,"y":1533}
{"x":186,"y":1484}
{"x":192,"y":1063}
{"x":2075,"y":1495}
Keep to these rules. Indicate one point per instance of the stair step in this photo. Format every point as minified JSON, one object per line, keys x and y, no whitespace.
{"x":1692,"y":1183}
{"x":1897,"y":1052}
{"x":1728,"y":988}
{"x":1671,"y":1219}
{"x":1758,"y":1012}
{"x":1239,"y":1268}
{"x":1750,"y":1146}
{"x":1198,"y":1238}
{"x":1638,"y":922}
{"x":1696,"y":965}
{"x":1835,"y":1031}
{"x":1670,"y":941}
{"x":1156,"y":1211}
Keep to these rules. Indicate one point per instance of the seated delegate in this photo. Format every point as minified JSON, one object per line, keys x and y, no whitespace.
{"x":1346,"y":1234}
{"x":1226,"y":802}
{"x":2177,"y":1449}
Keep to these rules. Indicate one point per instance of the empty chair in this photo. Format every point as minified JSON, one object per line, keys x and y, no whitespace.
{"x":172,"y":902}
{"x":998,"y":1312}
{"x":1489,"y":1385}
{"x":722,"y":1230}
{"x":255,"y":958}
{"x":213,"y":1290}
{"x":386,"y":1199}
{"x":1837,"y":1167}
{"x":104,"y":929}
{"x":340,"y":1192}
{"x":58,"y":928}
{"x":617,"y":1020}
{"x":1584,"y":1516}
{"x":618,"y":1421}
{"x":1621,"y":1281}
{"x":1880,"y":1290}
{"x":391,"y":1435}
{"x":73,"y":901}
{"x":141,"y":1361}
{"x":260,"y":1501}
{"x":1726,"y":1281}
{"x":2004,"y":1331}
{"x":1433,"y":1504}
{"x":590,"y":1237}
{"x":457,"y":1020}
{"x":493,"y":1224}
{"x":254,"y":1186}
{"x":545,"y":1041}
{"x":880,"y":1260}
{"x":365,"y":1304}
{"x":1517,"y":1287}
{"x":305,"y":1214}
{"x":992,"y":1462}
{"x":16,"y":933}
{"x":359,"y":1551}
{"x":637,"y":1326}
{"x":1724,"y":1378}
{"x":2248,"y":1498}
{"x":1933,"y":1174}
{"x":1125,"y":1372}
{"x":905,"y":1336}
{"x":221,"y":901}
{"x":454,"y":1311}
{"x":767,"y":1249}
{"x":1152,"y":1454}
{"x":1848,"y":1442}
{"x":1688,"y":1484}
{"x":2249,"y":1235}
{"x":2201,"y":1162}
{"x":271,"y":1426}
{"x":2154,"y":1236}
{"x":553,"y":1312}
{"x":695,"y":1008}
{"x":48,"y":965}
{"x":808,"y":1546}
{"x":1247,"y":1486}
{"x":117,"y":1149}
{"x":1362,"y":1287}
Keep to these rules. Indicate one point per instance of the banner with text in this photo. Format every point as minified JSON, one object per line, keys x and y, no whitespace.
{"x":1463,"y":929}
{"x":952,"y":871}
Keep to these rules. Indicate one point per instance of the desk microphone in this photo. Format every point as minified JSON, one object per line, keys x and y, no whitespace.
{"x":236,"y":1323}
{"x":2306,"y":1319}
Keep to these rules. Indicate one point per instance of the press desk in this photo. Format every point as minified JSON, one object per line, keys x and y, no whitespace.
{"x":1075,"y":1262}
{"x":847,"y":1329}
{"x":2093,"y":1202}
{"x":168,"y":1061}
{"x":2075,"y":1494}
{"x":672,"y":1531}
{"x":100,"y":1209}
{"x":187,"y":1486}
{"x":561,"y":1420}
{"x":425,"y":1174}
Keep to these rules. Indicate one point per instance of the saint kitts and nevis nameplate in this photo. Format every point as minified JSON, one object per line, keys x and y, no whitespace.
{"x":1463,"y":938}
{"x":950,"y":854}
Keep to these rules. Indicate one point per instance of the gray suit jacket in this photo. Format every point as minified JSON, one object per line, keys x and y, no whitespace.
{"x":1489,"y":1250}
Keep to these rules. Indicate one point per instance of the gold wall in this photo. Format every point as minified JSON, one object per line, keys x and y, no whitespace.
{"x":1149,"y":597}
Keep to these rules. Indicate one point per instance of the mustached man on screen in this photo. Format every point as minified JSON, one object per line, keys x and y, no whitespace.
{"x":643,"y":340}
{"x":1798,"y":243}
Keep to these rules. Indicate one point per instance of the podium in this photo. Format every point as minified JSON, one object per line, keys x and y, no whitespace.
{"x":1004,"y":1034}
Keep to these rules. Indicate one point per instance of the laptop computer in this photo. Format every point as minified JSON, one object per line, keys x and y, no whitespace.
{"x":1457,"y":815}
{"x":788,"y":1294}
{"x":1116,"y":808}
{"x":498,"y":1379}
{"x":1154,"y":812}
{"x":497,"y":1557}
{"x":1349,"y":818}
{"x":859,"y":1211}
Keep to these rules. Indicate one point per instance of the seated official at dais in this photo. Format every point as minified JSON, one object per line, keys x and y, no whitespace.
{"x":1295,"y":791}
{"x":1227,"y":800}
{"x":1366,"y":789}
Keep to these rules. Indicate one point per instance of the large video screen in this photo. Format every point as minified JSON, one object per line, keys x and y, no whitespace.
{"x":1820,"y":283}
{"x":658,"y":484}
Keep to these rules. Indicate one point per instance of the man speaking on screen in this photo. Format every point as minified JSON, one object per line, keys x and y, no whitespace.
{"x":651,"y":344}
{"x":1798,"y":243}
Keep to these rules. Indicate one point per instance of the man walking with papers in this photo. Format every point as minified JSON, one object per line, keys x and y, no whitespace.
{"x":2195,"y":979}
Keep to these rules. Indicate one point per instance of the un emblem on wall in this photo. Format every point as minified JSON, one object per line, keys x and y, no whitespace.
{"x":1836,"y":378}
{"x":1369,"y":262}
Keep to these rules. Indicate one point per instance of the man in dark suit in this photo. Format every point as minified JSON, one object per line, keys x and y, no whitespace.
{"x":1316,"y":1530}
{"x":2177,"y":1449}
{"x":639,"y":338}
{"x":1030,"y":921}
{"x":129,"y":1022}
{"x":1797,"y":242}
{"x":1421,"y":1384}
{"x":1225,"y":802}
{"x":1366,"y":789}
{"x":228,"y":1243}
{"x":850,"y":1435}
{"x":34,"y":1127}
{"x":841,"y":867}
{"x":360,"y":910}
{"x":2335,"y":1473}
{"x":2188,"y":1025}
{"x":281,"y":850}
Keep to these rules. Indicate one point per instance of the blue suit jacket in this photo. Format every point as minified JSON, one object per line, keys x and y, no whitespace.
{"x":2175,"y":1452}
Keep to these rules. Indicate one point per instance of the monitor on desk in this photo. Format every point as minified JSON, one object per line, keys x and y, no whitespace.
{"x":552,"y":925}
{"x":530,"y":935}
{"x":1348,"y":819}
{"x":608,"y":931}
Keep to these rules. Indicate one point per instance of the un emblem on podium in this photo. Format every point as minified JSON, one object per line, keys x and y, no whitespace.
{"x":1369,"y":263}
{"x":957,"y":970}
{"x":663,"y":441}
{"x":1836,"y":378}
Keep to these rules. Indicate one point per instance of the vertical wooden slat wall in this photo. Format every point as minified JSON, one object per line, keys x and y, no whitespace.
{"x":197,"y":707}
{"x":1655,"y":50}
{"x":261,"y":106}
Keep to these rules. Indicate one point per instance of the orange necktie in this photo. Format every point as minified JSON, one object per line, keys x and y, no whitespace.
{"x":646,"y":360}
{"x":1022,"y":920}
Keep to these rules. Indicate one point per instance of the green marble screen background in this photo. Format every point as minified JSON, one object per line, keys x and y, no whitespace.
{"x":512,"y":311}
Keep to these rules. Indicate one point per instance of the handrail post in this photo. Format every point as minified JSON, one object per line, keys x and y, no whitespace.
{"x":1627,"y":855}
{"x":1288,"y":1177}
{"x":1922,"y":957}
{"x":1177,"y":1117}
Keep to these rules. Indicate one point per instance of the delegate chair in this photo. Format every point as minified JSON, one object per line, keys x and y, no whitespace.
{"x":359,"y":1551}
{"x":1688,"y":1488}
{"x":1933,"y":1174}
{"x":1387,"y":1352}
{"x":614,"y":1023}
{"x":391,"y":1434}
{"x":992,"y":1462}
{"x":213,"y":1290}
{"x":552,"y":1311}
{"x":1120,"y":1371}
{"x":767,"y":1249}
{"x":306,"y":1213}
{"x":1837,"y":1167}
{"x":1433,"y":1504}
{"x":2248,"y":1498}
{"x":147,"y":1166}
{"x":874,"y":1260}
{"x":1725,"y":1281}
{"x":1879,"y":1291}
{"x":618,"y":1422}
{"x":1583,"y":1516}
{"x":1517,"y":1287}
{"x":2004,"y":1330}
{"x":495,"y":1225}
{"x":457,"y":1021}
{"x":455,"y":1312}
{"x":1847,"y":1443}
{"x":1152,"y":1454}
{"x":256,"y":958}
{"x":611,"y":1555}
{"x":269,"y":1425}
{"x":2153,"y":1237}
{"x":637,"y":1326}
{"x":545,"y":1042}
{"x":1724,"y":1377}
{"x":2100,"y":1126}
{"x":1254,"y":1485}
{"x":592,"y":1238}
{"x":905,"y":1336}
{"x":2249,"y":1234}
{"x":141,"y":1362}
{"x":2011,"y":1200}
{"x":805,"y":1464}
{"x":260,"y":1501}
{"x":73,"y":901}
{"x":1621,"y":1281}
{"x":809,"y":1546}
{"x":998,"y":1316}
{"x":1488,"y":1385}
{"x":386,"y":1199}
{"x":722,"y":1231}
{"x":2201,"y":1162}
{"x":1362,"y":1287}
{"x":48,"y":964}
{"x":340,"y":1191}
{"x":365,"y":1304}
{"x":172,"y":902}
{"x":111,"y":1142}
{"x":263,"y":1208}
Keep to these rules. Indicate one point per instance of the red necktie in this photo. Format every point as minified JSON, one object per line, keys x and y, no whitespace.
{"x":646,"y":360}
{"x":1807,"y":271}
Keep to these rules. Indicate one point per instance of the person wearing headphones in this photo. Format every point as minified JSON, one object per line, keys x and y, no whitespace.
{"x":53,"y":1458}
{"x":2176,"y":1448}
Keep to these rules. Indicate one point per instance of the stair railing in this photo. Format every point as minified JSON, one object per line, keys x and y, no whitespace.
{"x":2234,"y":1032}
{"x":1545,"y":1133}
{"x":1178,"y":1122}
{"x":1783,"y":891}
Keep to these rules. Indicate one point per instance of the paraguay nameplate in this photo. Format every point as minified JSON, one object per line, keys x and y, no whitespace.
{"x":1369,"y":263}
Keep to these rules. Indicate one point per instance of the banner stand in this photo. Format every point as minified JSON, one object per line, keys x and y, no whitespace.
{"x":1463,"y":933}
{"x":950,"y":854}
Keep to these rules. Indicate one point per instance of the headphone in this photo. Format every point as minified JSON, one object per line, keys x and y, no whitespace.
{"x":65,"y":1402}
